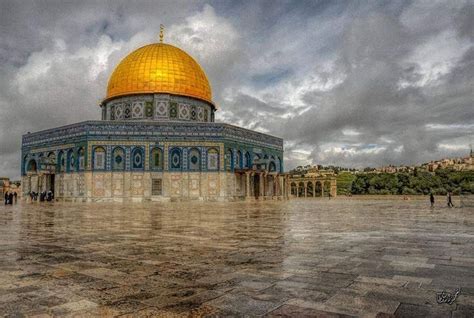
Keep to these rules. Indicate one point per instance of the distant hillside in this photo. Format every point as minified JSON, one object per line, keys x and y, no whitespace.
{"x":418,"y":182}
{"x":344,"y":182}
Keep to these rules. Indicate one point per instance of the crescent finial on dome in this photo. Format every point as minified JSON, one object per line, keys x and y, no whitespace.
{"x":162,"y":32}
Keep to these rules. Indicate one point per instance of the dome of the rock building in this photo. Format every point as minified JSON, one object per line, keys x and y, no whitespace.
{"x":159,"y":68}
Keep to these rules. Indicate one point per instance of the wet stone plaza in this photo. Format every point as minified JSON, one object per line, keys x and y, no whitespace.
{"x":297,"y":258}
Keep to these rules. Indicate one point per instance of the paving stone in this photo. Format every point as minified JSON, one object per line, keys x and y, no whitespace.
{"x":295,"y":311}
{"x":243,"y":304}
{"x":420,"y":311}
{"x":290,"y":258}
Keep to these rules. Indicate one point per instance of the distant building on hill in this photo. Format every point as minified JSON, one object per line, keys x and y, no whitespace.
{"x":309,"y":181}
{"x":6,"y":186}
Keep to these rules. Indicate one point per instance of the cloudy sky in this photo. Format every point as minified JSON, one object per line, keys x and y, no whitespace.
{"x":351,"y":83}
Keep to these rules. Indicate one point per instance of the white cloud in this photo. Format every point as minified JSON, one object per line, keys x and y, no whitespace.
{"x":332,"y":79}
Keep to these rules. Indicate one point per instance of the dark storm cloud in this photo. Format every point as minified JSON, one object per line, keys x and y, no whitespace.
{"x":344,"y":82}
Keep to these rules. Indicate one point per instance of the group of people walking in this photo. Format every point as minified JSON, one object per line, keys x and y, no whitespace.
{"x":10,"y":197}
{"x":449,"y":200}
{"x":43,"y":196}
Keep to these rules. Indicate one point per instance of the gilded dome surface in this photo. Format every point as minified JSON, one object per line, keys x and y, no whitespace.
{"x":159,"y":68}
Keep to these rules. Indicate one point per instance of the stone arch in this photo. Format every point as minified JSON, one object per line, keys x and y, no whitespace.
{"x":71,"y":161}
{"x":138,"y":158}
{"x":229,"y":159}
{"x":318,"y":188}
{"x":31,"y":166}
{"x":61,"y":161}
{"x":255,"y":159}
{"x":194,"y":157}
{"x":294,"y":189}
{"x":310,"y":187}
{"x":118,"y":159}
{"x":176,"y":159}
{"x":156,"y":159}
{"x":272,"y":166}
{"x":212,"y":159}
{"x":238,"y":159}
{"x":301,"y":188}
{"x":24,"y":163}
{"x":81,"y":159}
{"x":247,"y":161}
{"x":99,"y":155}
{"x":280,"y":164}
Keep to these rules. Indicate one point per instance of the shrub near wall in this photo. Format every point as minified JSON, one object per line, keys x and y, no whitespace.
{"x":419,"y":182}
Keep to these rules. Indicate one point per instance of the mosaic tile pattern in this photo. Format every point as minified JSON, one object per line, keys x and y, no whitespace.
{"x":304,"y":258}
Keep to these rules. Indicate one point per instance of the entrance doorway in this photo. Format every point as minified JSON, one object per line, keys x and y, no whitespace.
{"x":50,"y":185}
{"x":256,"y":185}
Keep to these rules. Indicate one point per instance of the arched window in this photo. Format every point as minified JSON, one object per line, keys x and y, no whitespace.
{"x":118,"y":159}
{"x":294,"y":188}
{"x":175,"y":159}
{"x":50,"y":161}
{"x":212,"y":159}
{"x":138,"y":158}
{"x":238,"y":159}
{"x":157,"y":159}
{"x":271,"y":166}
{"x":318,"y":189}
{"x":31,"y":166}
{"x":99,"y":158}
{"x":247,"y":162}
{"x":40,"y":160}
{"x":80,"y":159}
{"x":256,"y":160}
{"x":194,"y":159}
{"x":61,"y":162}
{"x":51,"y":158}
{"x":71,"y":159}
{"x":229,"y":160}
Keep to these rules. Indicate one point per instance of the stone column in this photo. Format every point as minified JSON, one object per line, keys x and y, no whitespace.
{"x":333,"y":188}
{"x":314,"y":188}
{"x":305,"y":189}
{"x":247,"y":184}
{"x":275,"y":184}
{"x":281,"y":185}
{"x":322,"y":189}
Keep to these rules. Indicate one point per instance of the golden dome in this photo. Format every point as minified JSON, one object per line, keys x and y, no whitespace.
{"x":159,"y":68}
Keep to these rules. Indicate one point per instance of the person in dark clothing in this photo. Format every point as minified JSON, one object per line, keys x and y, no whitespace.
{"x":6,"y":198}
{"x":432,"y":201}
{"x":15,"y":195}
{"x":450,"y":200}
{"x":10,"y":198}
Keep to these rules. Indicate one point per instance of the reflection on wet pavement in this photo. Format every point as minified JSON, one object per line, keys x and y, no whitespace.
{"x":312,"y":257}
